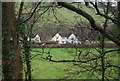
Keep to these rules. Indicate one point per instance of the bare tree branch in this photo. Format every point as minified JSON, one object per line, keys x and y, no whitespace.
{"x":85,"y":61}
{"x":91,"y":20}
{"x":112,"y":66}
{"x":104,"y":15}
{"x":32,"y":13}
{"x":20,"y":11}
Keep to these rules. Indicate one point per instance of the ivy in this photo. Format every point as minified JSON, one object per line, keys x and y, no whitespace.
{"x":24,"y":33}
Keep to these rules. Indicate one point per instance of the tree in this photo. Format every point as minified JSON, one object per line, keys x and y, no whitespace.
{"x":26,"y":29}
{"x":11,"y":58}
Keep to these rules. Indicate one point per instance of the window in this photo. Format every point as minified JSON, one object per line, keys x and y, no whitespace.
{"x":57,"y":37}
{"x":63,"y":42}
{"x":72,"y":38}
{"x":72,"y":42}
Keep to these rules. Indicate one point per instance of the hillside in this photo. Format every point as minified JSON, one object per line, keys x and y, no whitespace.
{"x":59,"y":16}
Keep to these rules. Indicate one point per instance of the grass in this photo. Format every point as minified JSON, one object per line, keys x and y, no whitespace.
{"x":99,"y":42}
{"x":43,"y":69}
{"x":48,"y":70}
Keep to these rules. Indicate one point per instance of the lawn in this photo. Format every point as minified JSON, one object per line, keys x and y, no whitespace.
{"x":43,"y":69}
{"x":99,"y":42}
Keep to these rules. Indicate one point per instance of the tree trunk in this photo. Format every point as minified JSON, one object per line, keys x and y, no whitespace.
{"x":11,"y":58}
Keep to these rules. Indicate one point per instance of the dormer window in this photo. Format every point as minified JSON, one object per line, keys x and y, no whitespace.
{"x":72,"y":38}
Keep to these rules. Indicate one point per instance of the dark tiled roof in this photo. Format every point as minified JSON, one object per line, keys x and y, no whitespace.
{"x":65,"y":34}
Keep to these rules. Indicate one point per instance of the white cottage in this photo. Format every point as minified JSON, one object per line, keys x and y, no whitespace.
{"x":63,"y":38}
{"x":57,"y":38}
{"x":72,"y":39}
{"x":35,"y":39}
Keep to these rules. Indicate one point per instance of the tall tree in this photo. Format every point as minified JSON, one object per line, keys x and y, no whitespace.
{"x":11,"y":58}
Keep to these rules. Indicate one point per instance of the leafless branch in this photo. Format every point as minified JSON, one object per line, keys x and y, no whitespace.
{"x":32,"y":13}
{"x":91,"y":20}
{"x":104,"y":15}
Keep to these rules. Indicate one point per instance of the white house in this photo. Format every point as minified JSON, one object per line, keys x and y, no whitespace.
{"x":64,"y":40}
{"x":57,"y":38}
{"x":61,"y":38}
{"x":72,"y":39}
{"x":35,"y":39}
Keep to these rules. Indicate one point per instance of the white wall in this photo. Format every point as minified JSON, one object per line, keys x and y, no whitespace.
{"x":58,"y":38}
{"x":72,"y":39}
{"x":64,"y":40}
{"x":35,"y":39}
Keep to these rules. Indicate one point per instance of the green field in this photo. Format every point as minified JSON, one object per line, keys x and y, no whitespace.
{"x":44,"y":69}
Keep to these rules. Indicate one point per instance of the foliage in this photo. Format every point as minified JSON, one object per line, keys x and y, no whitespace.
{"x":25,"y":33}
{"x":27,"y":58}
{"x":24,"y":30}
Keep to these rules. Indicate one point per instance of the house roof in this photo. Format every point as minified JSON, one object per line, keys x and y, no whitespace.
{"x":65,"y":34}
